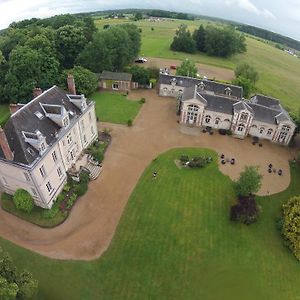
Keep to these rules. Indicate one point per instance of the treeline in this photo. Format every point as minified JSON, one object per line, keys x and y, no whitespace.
{"x":270,"y":36}
{"x":215,"y":41}
{"x":36,"y":52}
{"x":169,"y":14}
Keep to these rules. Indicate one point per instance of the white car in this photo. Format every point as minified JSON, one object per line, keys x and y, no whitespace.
{"x":141,"y":60}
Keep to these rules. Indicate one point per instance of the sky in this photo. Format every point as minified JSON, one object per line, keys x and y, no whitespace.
{"x":282,"y":16}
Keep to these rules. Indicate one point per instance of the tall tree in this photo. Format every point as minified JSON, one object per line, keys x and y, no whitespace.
{"x":247,"y":71}
{"x":199,"y":37}
{"x":70,"y":41}
{"x":187,"y":68}
{"x":245,"y":83}
{"x":134,"y":40}
{"x":183,"y":40}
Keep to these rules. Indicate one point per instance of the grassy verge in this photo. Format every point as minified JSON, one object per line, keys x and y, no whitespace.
{"x":114,"y":107}
{"x":4,"y":114}
{"x":175,"y":241}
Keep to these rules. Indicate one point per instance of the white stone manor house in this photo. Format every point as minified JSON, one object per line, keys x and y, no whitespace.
{"x":207,"y":103}
{"x":43,"y":139}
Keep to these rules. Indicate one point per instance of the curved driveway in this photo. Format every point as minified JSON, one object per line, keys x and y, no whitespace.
{"x":86,"y":234}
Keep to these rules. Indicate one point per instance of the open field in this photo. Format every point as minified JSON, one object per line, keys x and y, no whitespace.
{"x":4,"y":113}
{"x":115,"y":107}
{"x":175,"y":241}
{"x":279,"y":71}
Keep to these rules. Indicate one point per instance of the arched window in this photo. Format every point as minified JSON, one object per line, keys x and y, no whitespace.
{"x":244,"y":117}
{"x":261,"y":130}
{"x":286,"y":128}
{"x":192,"y":108}
{"x":201,"y":85}
{"x":180,"y":92}
{"x":270,"y":131}
{"x":217,"y":121}
{"x":241,"y":127}
{"x":227,"y":120}
{"x":228,"y":91}
{"x":207,"y":119}
{"x":254,"y":126}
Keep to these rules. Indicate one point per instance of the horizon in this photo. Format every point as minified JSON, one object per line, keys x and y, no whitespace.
{"x":240,"y":11}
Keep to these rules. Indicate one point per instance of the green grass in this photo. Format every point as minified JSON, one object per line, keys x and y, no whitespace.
{"x":279,"y":72}
{"x":114,"y":107}
{"x":4,"y":114}
{"x":175,"y":241}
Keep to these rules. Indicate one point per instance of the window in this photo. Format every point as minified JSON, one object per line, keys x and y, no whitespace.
{"x":270,"y":131}
{"x":84,"y":138}
{"x":49,"y":186}
{"x":244,"y":117}
{"x":261,"y":130}
{"x":82,"y":124}
{"x":207,"y":119}
{"x":59,"y":172}
{"x":228,"y":91}
{"x":42,"y":171}
{"x":34,"y":193}
{"x":92,"y":130}
{"x":69,"y":138}
{"x":286,"y":128}
{"x":54,"y":157}
{"x":27,"y":176}
{"x":66,"y":121}
{"x":42,"y":147}
{"x":217,"y":121}
{"x":241,"y":128}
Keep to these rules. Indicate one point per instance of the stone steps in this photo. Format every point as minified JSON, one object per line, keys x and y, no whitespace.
{"x":94,"y":169}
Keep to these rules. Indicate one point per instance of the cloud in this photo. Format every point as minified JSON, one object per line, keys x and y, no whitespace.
{"x":250,"y":7}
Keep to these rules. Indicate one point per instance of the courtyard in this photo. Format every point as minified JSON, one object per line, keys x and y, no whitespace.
{"x":88,"y":231}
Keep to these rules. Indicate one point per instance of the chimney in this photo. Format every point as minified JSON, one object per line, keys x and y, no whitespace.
{"x":36,"y":92}
{"x":71,"y":84}
{"x":5,"y":146}
{"x":13,"y":107}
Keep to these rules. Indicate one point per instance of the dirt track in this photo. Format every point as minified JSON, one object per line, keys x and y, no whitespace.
{"x":203,"y":70}
{"x":87,"y":233}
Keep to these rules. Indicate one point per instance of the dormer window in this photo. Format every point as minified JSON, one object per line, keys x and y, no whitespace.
{"x":201,"y":85}
{"x":66,"y":121}
{"x":173,"y":81}
{"x":228,"y":91}
{"x":244,"y":117}
{"x":42,"y":148}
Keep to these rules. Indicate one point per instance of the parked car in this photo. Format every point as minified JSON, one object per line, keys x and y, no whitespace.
{"x":173,"y":67}
{"x":141,"y":60}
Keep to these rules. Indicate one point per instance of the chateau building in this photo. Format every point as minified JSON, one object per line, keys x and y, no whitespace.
{"x":43,"y":139}
{"x":202,"y":102}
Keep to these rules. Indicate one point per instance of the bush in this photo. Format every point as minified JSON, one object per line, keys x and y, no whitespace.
{"x":50,"y":213}
{"x":198,"y":162}
{"x":129,"y":123}
{"x":71,"y":201}
{"x":245,"y":211}
{"x":23,"y":200}
{"x":184,"y":159}
{"x":84,"y":177}
{"x":142,"y":101}
{"x":81,"y":189}
{"x":67,"y":188}
{"x":98,"y":155}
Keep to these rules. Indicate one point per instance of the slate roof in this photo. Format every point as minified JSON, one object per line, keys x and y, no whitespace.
{"x":263,"y":113}
{"x":242,"y":105}
{"x":107,"y":75}
{"x":209,"y":86}
{"x":26,"y":120}
{"x":220,"y":104}
{"x":266,"y":101}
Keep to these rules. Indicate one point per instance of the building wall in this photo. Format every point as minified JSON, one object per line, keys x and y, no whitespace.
{"x":169,"y":90}
{"x":122,"y":85}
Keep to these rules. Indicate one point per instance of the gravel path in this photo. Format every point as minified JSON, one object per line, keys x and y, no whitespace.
{"x":87,"y":232}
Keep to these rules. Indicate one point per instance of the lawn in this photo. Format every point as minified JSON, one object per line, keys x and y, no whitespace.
{"x":279,"y":72}
{"x":114,"y":107}
{"x":4,"y":114}
{"x":175,"y":241}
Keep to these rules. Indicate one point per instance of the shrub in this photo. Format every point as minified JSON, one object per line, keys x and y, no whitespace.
{"x":23,"y":200}
{"x":184,"y":159}
{"x":71,"y":201}
{"x":98,"y":155}
{"x":142,"y":101}
{"x":67,"y":188}
{"x":129,"y":123}
{"x":50,"y":213}
{"x":84,"y":177}
{"x":291,"y":224}
{"x":81,"y":189}
{"x":245,"y":211}
{"x":198,"y":162}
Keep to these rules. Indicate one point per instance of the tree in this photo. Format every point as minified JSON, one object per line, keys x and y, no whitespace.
{"x":245,"y":83}
{"x":86,"y":81}
{"x":247,"y":71}
{"x":23,"y":200}
{"x":183,"y":40}
{"x":70,"y":41}
{"x":139,"y":74}
{"x":199,"y":37}
{"x":245,"y":211}
{"x":134,"y":40}
{"x":15,"y":284}
{"x":138,"y":16}
{"x":291,"y":224}
{"x":249,"y":182}
{"x":187,"y":68}
{"x":3,"y":71}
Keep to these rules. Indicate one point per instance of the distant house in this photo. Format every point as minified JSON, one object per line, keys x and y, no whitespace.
{"x":116,"y":81}
{"x":206,"y":103}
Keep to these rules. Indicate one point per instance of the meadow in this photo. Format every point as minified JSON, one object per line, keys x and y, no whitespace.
{"x":115,"y":107}
{"x":175,"y":241}
{"x":279,"y":72}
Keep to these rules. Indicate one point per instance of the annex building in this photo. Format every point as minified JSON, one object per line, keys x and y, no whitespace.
{"x":206,"y":103}
{"x":43,"y":139}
